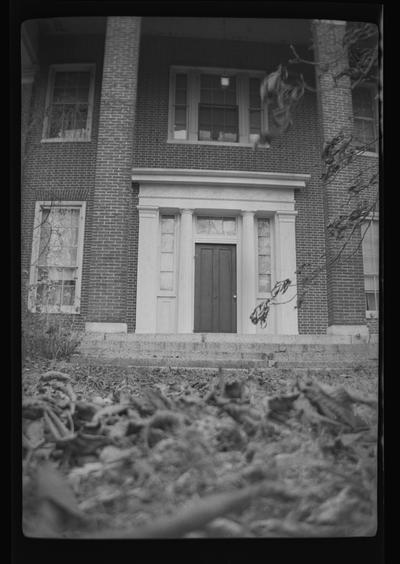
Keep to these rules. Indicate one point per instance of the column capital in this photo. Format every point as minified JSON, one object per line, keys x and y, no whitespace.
{"x":186,"y":211}
{"x":247,"y":213}
{"x":145,"y":210}
{"x":286,"y":215}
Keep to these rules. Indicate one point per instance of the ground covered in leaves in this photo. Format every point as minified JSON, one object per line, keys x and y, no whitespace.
{"x":123,"y":452}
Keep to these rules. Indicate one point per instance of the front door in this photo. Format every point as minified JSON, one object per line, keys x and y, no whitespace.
{"x":215,"y":288}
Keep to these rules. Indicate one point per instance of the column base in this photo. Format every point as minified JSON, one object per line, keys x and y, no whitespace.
{"x":97,"y":327}
{"x":359,"y":332}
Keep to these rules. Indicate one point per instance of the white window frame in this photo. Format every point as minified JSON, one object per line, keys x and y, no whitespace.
{"x":168,"y":293}
{"x":375,"y":119}
{"x":91,"y":67}
{"x":371,"y":313}
{"x":39,"y":208}
{"x":193,"y":99}
{"x":265,"y":295}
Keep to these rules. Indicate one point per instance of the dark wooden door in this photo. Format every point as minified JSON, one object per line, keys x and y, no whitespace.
{"x":215,"y":288}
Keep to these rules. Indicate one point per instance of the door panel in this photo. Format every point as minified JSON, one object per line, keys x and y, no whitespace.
{"x":215,"y":288}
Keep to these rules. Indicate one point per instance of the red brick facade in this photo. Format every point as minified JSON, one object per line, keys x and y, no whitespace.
{"x":130,"y":129}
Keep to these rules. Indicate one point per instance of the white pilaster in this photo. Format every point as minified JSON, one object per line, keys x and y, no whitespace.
{"x":248,"y":271}
{"x":285,"y":253}
{"x":185,"y":273}
{"x":146,"y":301}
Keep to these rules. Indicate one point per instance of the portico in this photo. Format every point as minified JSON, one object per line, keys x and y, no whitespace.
{"x":238,"y":225}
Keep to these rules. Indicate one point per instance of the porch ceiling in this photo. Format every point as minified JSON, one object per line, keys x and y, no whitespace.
{"x":241,"y":29}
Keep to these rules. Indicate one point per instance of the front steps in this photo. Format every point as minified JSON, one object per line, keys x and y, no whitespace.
{"x":230,"y":351}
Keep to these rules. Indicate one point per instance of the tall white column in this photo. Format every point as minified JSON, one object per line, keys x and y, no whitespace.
{"x":185,"y":273}
{"x":146,"y":301}
{"x":285,"y":253}
{"x":248,"y":271}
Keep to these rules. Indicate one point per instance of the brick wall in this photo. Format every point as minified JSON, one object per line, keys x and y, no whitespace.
{"x":112,"y":210}
{"x":346,"y":301}
{"x":298,"y":151}
{"x":62,"y":170}
{"x":68,"y":170}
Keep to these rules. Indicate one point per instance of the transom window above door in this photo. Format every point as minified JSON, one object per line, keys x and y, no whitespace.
{"x":215,"y":106}
{"x":216,"y":225}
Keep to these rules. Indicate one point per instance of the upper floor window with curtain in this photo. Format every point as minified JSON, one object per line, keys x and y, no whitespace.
{"x":215,"y":106}
{"x":69,"y":103}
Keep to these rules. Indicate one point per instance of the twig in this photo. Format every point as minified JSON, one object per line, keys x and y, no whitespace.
{"x":197,"y":514}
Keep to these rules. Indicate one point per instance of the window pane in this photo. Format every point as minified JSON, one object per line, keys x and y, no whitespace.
{"x":68,"y":295}
{"x":205,"y":115}
{"x":371,"y":302}
{"x":215,"y":226}
{"x":167,"y":262}
{"x":363,"y":104}
{"x":180,"y":116}
{"x":212,"y":91}
{"x":263,"y":227}
{"x":167,"y":224}
{"x":255,"y":121}
{"x":264,"y":283}
{"x":180,"y":81}
{"x":70,"y":100}
{"x":370,"y":247}
{"x":180,"y":97}
{"x":202,"y":225}
{"x":167,"y":243}
{"x":219,"y":124}
{"x":264,"y":264}
{"x":166,"y":280}
{"x":229,"y":226}
{"x":254,"y":87}
{"x":364,"y":132}
{"x":208,"y":81}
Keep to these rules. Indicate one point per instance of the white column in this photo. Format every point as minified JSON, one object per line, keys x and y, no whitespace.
{"x":185,"y":273}
{"x":146,"y":300}
{"x":248,"y":271}
{"x":285,"y":253}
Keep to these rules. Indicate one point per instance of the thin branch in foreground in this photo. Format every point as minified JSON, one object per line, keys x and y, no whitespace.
{"x":199,"y":513}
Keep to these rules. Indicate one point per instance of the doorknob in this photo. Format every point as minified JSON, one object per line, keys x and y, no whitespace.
{"x":234,"y":296}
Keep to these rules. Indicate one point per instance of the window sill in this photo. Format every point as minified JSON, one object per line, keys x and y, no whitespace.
{"x":372,"y":314}
{"x":368,"y":154}
{"x":215,"y":143}
{"x":61,"y":140}
{"x":70,"y":311}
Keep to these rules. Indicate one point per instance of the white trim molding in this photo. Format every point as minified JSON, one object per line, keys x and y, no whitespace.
{"x":206,"y":177}
{"x":35,"y":255}
{"x":191,"y":193}
{"x":97,"y":327}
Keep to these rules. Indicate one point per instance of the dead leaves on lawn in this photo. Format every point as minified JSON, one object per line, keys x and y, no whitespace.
{"x":172,"y":462}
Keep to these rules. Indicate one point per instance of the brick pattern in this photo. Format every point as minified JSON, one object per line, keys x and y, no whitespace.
{"x":298,"y":151}
{"x":346,"y":302}
{"x":111,"y":204}
{"x":64,"y":170}
{"x":71,"y":171}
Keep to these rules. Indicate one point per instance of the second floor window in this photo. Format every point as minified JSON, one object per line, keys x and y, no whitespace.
{"x":370,"y":249}
{"x":215,"y":106}
{"x":365,"y":118}
{"x":69,"y":103}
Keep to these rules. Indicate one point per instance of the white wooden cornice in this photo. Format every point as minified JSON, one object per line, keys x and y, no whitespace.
{"x":220,"y":178}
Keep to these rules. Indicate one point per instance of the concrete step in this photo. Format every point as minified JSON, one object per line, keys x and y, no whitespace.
{"x":236,"y":351}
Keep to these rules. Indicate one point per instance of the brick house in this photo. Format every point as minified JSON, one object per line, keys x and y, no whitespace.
{"x":137,"y":144}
